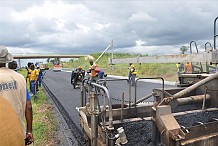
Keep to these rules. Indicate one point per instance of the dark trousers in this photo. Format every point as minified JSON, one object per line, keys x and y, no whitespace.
{"x":33,"y":87}
{"x":39,"y":80}
{"x":129,"y":76}
{"x":133,"y":79}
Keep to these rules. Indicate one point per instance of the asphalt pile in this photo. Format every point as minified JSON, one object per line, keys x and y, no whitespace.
{"x":192,"y":119}
{"x":139,"y":133}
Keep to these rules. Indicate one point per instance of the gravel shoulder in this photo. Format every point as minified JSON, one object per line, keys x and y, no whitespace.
{"x":63,"y":136}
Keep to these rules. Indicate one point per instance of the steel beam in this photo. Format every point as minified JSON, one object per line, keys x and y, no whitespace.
{"x":34,"y":56}
{"x":195,"y":86}
{"x":190,"y":100}
{"x":195,"y":57}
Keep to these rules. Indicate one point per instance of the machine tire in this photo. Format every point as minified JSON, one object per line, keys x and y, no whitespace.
{"x":74,"y":83}
{"x":72,"y":76}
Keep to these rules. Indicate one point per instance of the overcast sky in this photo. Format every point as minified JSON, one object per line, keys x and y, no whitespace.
{"x":83,"y":27}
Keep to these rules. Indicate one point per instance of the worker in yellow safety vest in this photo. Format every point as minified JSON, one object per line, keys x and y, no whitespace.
{"x":180,"y":70}
{"x":133,"y":73}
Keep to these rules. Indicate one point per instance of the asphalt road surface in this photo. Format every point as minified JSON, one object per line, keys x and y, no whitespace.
{"x":59,"y":84}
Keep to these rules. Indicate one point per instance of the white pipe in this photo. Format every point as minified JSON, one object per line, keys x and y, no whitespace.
{"x":102,"y":53}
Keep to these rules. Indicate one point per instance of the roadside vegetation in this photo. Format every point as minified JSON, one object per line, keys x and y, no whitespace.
{"x":165,"y":70}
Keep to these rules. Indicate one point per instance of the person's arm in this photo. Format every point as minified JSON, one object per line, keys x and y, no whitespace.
{"x":29,"y":119}
{"x":37,"y":74}
{"x":36,"y":79}
{"x":131,"y":70}
{"x":27,"y":76}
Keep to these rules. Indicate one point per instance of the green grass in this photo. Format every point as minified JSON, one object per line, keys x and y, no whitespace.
{"x":165,"y":70}
{"x":44,"y":126}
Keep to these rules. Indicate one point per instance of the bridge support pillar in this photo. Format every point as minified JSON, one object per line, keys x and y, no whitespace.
{"x":19,"y":63}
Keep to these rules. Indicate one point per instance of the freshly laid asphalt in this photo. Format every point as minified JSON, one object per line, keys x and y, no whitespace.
{"x":60,"y":85}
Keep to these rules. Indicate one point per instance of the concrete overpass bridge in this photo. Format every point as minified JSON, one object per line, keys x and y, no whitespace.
{"x":41,"y":56}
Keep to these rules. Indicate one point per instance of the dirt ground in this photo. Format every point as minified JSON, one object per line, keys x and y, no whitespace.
{"x":63,"y":136}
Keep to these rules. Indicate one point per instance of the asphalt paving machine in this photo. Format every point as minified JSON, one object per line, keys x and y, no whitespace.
{"x":185,"y":115}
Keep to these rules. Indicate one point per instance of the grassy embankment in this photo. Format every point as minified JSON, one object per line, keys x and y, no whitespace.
{"x":165,"y":70}
{"x":44,"y":126}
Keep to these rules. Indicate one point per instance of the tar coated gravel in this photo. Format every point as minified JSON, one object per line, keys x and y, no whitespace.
{"x":139,"y":133}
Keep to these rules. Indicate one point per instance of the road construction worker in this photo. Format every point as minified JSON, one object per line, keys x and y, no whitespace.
{"x":93,"y":69}
{"x":180,"y":70}
{"x":28,"y":71}
{"x":13,"y":65}
{"x":77,"y":76}
{"x":39,"y":79}
{"x":33,"y":76}
{"x":133,"y":73}
{"x":94,"y":72}
{"x":178,"y":67}
{"x":13,"y":89}
{"x":11,"y":131}
{"x":80,"y":70}
{"x":129,"y":73}
{"x":188,"y":68}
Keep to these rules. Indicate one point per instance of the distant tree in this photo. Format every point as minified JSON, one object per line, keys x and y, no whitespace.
{"x":183,"y":49}
{"x":48,"y":60}
{"x":55,"y":61}
{"x":71,"y":60}
{"x":52,"y":61}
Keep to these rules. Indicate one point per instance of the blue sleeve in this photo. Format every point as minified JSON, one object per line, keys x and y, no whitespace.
{"x":27,"y":95}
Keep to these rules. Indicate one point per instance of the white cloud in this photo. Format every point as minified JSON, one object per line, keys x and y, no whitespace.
{"x":65,"y":26}
{"x":141,"y":16}
{"x":140,"y":42}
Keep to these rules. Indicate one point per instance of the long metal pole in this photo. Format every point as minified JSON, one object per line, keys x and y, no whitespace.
{"x":109,"y":103}
{"x":94,"y":127}
{"x":193,"y":87}
{"x":122,"y":104}
{"x":141,"y":99}
{"x":102,"y":53}
{"x":112,"y":47}
{"x":130,"y":99}
{"x":81,"y":95}
{"x":191,"y":100}
{"x":215,"y":33}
